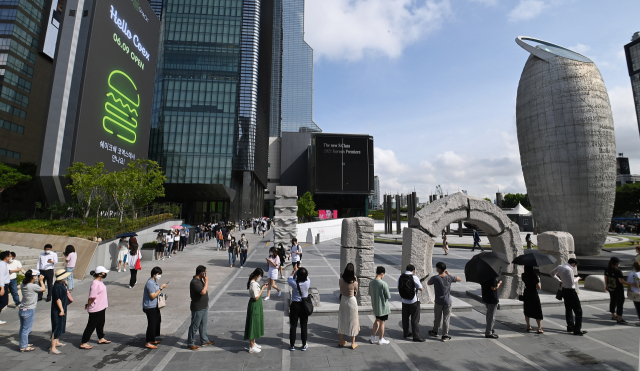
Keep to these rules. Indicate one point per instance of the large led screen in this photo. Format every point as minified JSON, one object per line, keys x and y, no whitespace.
{"x":343,"y":163}
{"x":117,"y":88}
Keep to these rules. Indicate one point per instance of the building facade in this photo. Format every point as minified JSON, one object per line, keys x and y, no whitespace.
{"x":374,"y":200}
{"x":632,"y":52}
{"x":23,"y":108}
{"x":292,"y":73}
{"x":209,"y":130}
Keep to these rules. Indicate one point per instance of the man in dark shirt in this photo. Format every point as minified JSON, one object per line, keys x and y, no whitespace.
{"x":490,"y":299}
{"x":199,"y":308}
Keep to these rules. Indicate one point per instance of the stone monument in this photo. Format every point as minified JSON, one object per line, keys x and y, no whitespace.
{"x":357,"y":248}
{"x":286,"y":215}
{"x":567,"y":143}
{"x":560,"y":246}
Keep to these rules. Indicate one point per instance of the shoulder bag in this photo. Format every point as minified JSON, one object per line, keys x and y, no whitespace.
{"x":162,"y":301}
{"x":69,"y":297}
{"x":138,"y":265}
{"x":307,"y":302}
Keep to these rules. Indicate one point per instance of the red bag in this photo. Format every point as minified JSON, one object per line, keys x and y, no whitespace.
{"x":138,"y":266}
{"x":69,"y":297}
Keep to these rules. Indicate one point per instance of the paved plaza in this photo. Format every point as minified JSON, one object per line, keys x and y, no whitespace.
{"x":606,"y":347}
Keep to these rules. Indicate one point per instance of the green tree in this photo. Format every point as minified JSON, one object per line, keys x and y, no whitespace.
{"x":10,"y":177}
{"x":488,"y":199}
{"x":627,"y":200}
{"x":512,"y":199}
{"x":85,"y":185}
{"x":119,"y":186}
{"x":306,"y":207}
{"x":148,"y":181}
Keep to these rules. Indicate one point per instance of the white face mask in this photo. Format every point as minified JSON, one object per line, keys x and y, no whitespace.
{"x":158,"y":276}
{"x":10,"y":260}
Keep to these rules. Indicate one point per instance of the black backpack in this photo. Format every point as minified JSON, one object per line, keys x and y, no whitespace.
{"x":407,"y":286}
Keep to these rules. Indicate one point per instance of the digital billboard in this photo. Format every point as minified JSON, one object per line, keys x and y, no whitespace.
{"x":328,"y":214}
{"x":343,"y":163}
{"x":117,"y":84}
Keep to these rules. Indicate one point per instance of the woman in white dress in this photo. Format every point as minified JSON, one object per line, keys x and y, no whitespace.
{"x":348,"y":321}
{"x":123,"y":248}
{"x":273,"y":262}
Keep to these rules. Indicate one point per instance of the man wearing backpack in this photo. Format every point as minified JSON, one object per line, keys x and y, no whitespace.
{"x":244,"y":250}
{"x":408,"y":287}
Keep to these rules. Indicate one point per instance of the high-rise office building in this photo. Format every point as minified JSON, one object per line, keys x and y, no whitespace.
{"x":632,"y":51}
{"x":23,"y":107}
{"x":375,"y":197}
{"x":210,"y":121}
{"x":292,"y":73}
{"x":156,"y":5}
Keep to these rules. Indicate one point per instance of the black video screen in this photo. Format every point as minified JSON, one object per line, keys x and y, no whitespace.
{"x":118,"y":80}
{"x":344,"y":164}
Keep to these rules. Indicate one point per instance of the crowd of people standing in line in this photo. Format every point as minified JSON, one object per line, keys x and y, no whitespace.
{"x":409,"y":286}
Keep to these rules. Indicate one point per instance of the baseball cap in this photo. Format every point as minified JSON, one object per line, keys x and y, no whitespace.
{"x":101,"y":269}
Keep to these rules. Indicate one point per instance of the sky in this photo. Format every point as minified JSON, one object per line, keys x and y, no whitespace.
{"x":435,"y":81}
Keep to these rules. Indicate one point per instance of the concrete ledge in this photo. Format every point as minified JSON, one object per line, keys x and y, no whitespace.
{"x":331,"y":309}
{"x":547,"y":299}
{"x":84,"y":248}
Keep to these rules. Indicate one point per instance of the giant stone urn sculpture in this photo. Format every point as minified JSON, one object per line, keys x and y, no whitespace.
{"x":567,"y":144}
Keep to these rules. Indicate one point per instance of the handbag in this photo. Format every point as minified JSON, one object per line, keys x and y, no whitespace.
{"x":138,"y":266}
{"x":69,"y":297}
{"x":559,"y":294}
{"x":162,"y":301}
{"x":307,"y":302}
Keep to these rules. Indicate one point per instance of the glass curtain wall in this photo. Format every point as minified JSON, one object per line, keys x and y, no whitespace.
{"x":197,"y":84}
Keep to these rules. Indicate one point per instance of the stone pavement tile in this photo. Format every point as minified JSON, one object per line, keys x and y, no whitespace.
{"x":501,"y":364}
{"x":449,"y":365}
{"x":301,"y":363}
{"x":346,"y":361}
{"x":318,"y":351}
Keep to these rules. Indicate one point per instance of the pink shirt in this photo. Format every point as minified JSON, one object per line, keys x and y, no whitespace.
{"x":98,"y":292}
{"x":71,"y":260}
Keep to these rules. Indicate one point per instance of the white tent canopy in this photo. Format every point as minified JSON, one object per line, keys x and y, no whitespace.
{"x":518,"y":210}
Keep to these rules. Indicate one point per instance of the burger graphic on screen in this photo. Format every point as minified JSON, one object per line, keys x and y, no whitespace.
{"x":123,"y":101}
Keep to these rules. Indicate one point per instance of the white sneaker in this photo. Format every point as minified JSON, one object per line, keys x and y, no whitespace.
{"x":383,"y":341}
{"x":118,"y":270}
{"x":373,"y":339}
{"x":3,"y":322}
{"x":257,"y":346}
{"x":267,"y":298}
{"x":254,"y":350}
{"x":279,"y":293}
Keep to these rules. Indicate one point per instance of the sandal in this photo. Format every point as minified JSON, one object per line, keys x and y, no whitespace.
{"x":104,"y":342}
{"x":540,"y":331}
{"x":87,"y":347}
{"x":342,"y":344}
{"x":27,"y":349}
{"x":529,"y":329}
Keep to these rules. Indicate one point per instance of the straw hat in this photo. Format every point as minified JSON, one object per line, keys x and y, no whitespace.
{"x":62,"y":274}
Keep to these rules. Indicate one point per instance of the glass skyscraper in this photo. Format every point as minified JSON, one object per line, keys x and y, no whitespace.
{"x":632,"y":51}
{"x":292,"y":73}
{"x":211,"y":106}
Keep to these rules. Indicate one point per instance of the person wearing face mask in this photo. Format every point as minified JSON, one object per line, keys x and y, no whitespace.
{"x":233,"y":252}
{"x":97,"y":308}
{"x":150,"y":307}
{"x":273,"y":262}
{"x":14,"y":267}
{"x":46,"y":263}
{"x":32,"y":284}
{"x":199,"y":308}
{"x":5,"y":256}
{"x":244,"y":250}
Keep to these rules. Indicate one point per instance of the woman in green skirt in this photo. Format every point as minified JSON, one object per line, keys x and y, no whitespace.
{"x":254,"y":328}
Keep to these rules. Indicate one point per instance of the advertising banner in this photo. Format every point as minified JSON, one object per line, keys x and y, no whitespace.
{"x":328,"y":214}
{"x":343,"y":163}
{"x":117,"y":86}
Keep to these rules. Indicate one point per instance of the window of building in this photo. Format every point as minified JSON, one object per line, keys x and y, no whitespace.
{"x":13,"y":110}
{"x":13,"y":96}
{"x":10,"y":154}
{"x":18,"y":65}
{"x":11,"y":126}
{"x":525,"y":222}
{"x":17,"y":81}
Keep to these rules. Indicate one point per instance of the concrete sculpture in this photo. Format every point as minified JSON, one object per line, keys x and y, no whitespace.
{"x":286,"y":215}
{"x":567,"y":143}
{"x":357,"y":248}
{"x":560,"y":245}
{"x":503,"y":234}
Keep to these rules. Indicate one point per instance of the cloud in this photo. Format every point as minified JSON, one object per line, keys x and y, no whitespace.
{"x":349,"y":29}
{"x":626,"y":125}
{"x":486,"y":2}
{"x":581,"y":48}
{"x":527,"y":9}
{"x":481,"y":177}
